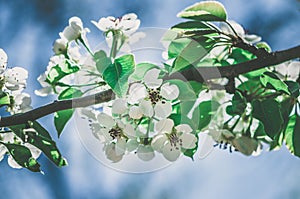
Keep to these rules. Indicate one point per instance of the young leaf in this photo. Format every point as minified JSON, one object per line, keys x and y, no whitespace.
{"x":22,"y":156}
{"x":4,"y":98}
{"x":117,"y":74}
{"x":205,"y":11}
{"x":102,"y":61}
{"x":62,"y":117}
{"x":268,"y":112}
{"x":270,"y":80}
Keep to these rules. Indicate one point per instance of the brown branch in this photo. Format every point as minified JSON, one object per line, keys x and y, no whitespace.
{"x":199,"y":74}
{"x":56,"y":106}
{"x":202,"y":74}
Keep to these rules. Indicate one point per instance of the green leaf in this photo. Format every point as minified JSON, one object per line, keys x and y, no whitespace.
{"x":191,"y":25}
{"x":4,"y":98}
{"x":189,"y":56}
{"x":22,"y":156}
{"x":238,"y":106}
{"x":43,"y":141}
{"x":102,"y":61}
{"x":62,"y":117}
{"x":39,"y":137}
{"x":176,"y":47}
{"x":140,"y":71}
{"x":268,"y":112}
{"x":239,"y":55}
{"x":117,"y":74}
{"x":270,"y":80}
{"x":56,"y":73}
{"x":205,"y":11}
{"x":292,"y":135}
{"x":205,"y":111}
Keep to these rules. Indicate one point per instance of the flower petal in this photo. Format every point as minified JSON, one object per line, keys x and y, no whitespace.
{"x":188,"y":140}
{"x":145,"y":153}
{"x":169,"y":92}
{"x":106,"y":120}
{"x":151,"y":78}
{"x":146,"y":108}
{"x":119,"y":106}
{"x":110,"y":152}
{"x":137,"y":91}
{"x":184,"y":128}
{"x":129,"y":131}
{"x":162,"y":109}
{"x":158,"y":142}
{"x":171,"y":153}
{"x":164,"y":126}
{"x":135,"y":112}
{"x":120,"y":146}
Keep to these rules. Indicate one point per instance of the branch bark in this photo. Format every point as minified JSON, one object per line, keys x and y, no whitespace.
{"x":200,"y":74}
{"x":56,"y":106}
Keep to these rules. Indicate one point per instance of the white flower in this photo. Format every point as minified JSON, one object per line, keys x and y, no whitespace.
{"x":172,"y":142}
{"x":22,"y":103}
{"x":240,"y":31}
{"x":15,"y":78}
{"x":113,"y":133}
{"x":60,"y":46}
{"x":74,"y":30}
{"x":153,"y":97}
{"x":127,"y":24}
{"x":3,"y":60}
{"x":289,"y":70}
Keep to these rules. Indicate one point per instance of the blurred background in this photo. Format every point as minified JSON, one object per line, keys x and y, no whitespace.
{"x":27,"y":31}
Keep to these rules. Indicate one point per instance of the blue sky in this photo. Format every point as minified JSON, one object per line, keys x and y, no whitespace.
{"x":28,"y":29}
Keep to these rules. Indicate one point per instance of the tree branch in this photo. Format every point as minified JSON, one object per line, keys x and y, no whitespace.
{"x":56,"y":106}
{"x":199,"y":74}
{"x":202,"y":74}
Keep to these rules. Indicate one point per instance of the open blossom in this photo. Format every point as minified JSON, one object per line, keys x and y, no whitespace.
{"x":289,"y":70}
{"x":152,"y":98}
{"x":127,"y":24}
{"x":171,"y":141}
{"x":15,"y":78}
{"x":22,"y":103}
{"x":113,"y":134}
{"x":240,"y":31}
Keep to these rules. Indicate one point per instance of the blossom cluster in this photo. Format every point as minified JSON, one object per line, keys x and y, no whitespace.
{"x":12,"y":83}
{"x":140,"y":123}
